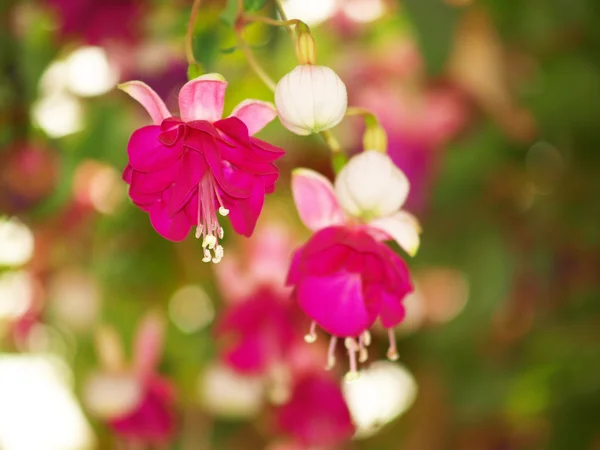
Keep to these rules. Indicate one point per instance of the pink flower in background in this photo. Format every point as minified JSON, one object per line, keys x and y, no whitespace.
{"x":136,"y":402}
{"x":97,"y":22}
{"x":344,"y":278}
{"x":258,"y":332}
{"x":316,"y":415}
{"x":261,"y":264}
{"x":182,"y":171}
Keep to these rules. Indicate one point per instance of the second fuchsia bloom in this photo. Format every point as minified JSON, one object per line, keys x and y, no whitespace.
{"x":187,"y":171}
{"x":344,"y":277}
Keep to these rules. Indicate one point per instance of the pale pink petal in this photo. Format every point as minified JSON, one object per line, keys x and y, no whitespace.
{"x":402,"y":227}
{"x":148,"y":99}
{"x":315,"y":200}
{"x":148,"y":344}
{"x":255,"y":114}
{"x":202,"y":98}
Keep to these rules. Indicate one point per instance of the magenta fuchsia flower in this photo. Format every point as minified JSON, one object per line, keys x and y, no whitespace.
{"x":136,"y":402}
{"x":344,"y":277}
{"x":186,"y":171}
{"x":257,"y":332}
{"x":316,"y":415}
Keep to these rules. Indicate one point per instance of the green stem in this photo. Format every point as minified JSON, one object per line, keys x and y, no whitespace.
{"x":189,"y":37}
{"x":254,"y":64}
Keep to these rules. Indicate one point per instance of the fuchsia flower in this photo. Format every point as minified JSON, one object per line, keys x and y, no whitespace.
{"x":344,"y":277}
{"x":183,"y":170}
{"x":136,"y":402}
{"x":258,"y":332}
{"x":316,"y":414}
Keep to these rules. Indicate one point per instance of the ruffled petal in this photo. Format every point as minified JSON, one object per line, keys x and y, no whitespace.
{"x":336,"y":303}
{"x":402,"y":227}
{"x":255,"y":114}
{"x":392,"y":310}
{"x":147,"y":153}
{"x":202,"y":98}
{"x":244,"y":213}
{"x":148,"y":99}
{"x":191,"y":170}
{"x":315,"y":200}
{"x":175,"y":228}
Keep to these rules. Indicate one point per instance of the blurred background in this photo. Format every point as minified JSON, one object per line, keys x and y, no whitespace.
{"x":112,"y":337}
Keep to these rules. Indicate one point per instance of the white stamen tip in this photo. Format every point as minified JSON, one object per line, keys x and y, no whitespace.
{"x":198,"y":232}
{"x":393,"y":355}
{"x":223,"y":211}
{"x":330,"y":363}
{"x":351,"y":376}
{"x":221,"y":232}
{"x":209,"y":241}
{"x":350,"y":344}
{"x":367,"y":338}
{"x":310,"y":337}
{"x":207,"y":256}
{"x":363,"y":355}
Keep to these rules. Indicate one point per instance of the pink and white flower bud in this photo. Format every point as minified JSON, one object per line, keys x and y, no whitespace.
{"x":311,"y":99}
{"x":371,"y":186}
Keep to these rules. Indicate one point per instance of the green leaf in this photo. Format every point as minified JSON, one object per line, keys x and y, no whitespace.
{"x":230,"y":13}
{"x":253,"y":5}
{"x":194,"y":71}
{"x":434,"y":22}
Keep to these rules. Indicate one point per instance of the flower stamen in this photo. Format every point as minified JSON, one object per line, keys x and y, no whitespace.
{"x":208,"y":227}
{"x":392,"y":352}
{"x":352,"y":347}
{"x":312,"y":333}
{"x":331,"y":353}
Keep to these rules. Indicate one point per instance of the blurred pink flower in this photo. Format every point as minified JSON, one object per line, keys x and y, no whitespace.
{"x":344,"y":278}
{"x":96,"y":22}
{"x":261,"y":264}
{"x":316,"y":414}
{"x":258,"y":332}
{"x":136,"y":402}
{"x":182,"y":171}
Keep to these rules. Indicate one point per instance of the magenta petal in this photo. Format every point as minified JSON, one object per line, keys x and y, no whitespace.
{"x":244,"y":213}
{"x":191,"y":171}
{"x":392,"y":311}
{"x":174,"y":228}
{"x":146,"y":153}
{"x":336,"y":303}
{"x":152,"y":183}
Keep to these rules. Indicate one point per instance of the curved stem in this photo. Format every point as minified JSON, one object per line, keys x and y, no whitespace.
{"x":270,"y":21}
{"x":254,"y":64}
{"x":189,"y":37}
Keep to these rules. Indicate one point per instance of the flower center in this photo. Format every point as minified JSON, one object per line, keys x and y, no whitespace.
{"x":208,"y":222}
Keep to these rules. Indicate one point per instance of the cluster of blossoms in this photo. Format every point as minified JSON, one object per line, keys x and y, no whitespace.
{"x":187,"y":171}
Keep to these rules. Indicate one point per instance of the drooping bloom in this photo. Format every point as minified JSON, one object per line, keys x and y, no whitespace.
{"x":344,"y":277}
{"x":311,"y":99}
{"x":136,"y":402}
{"x":184,"y":170}
{"x":316,"y":415}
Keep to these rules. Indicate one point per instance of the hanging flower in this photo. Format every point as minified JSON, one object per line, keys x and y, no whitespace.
{"x":316,"y":415}
{"x":310,"y":99}
{"x":344,"y":277}
{"x":136,"y":402}
{"x":184,"y":170}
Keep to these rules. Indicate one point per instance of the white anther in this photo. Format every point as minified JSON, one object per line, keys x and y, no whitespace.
{"x":366,"y":338}
{"x":207,"y":256}
{"x":223,"y":211}
{"x":198,"y":232}
{"x":351,"y":344}
{"x":221,"y":232}
{"x":351,"y":376}
{"x":209,"y":241}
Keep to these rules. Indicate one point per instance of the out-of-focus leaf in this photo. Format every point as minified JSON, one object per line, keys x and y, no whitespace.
{"x":230,"y":12}
{"x":434,"y":22}
{"x":194,"y":71}
{"x":253,"y":5}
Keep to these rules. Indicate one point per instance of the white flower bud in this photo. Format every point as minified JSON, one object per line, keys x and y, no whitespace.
{"x":310,"y":99}
{"x":371,"y":186}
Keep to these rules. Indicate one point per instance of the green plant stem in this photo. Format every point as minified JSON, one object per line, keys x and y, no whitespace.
{"x":189,"y":37}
